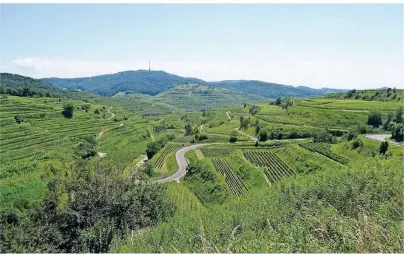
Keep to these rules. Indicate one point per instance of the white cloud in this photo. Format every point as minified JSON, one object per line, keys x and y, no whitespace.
{"x":336,"y":73}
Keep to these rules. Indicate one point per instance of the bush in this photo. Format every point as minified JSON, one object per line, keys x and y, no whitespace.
{"x":18,"y":119}
{"x":68,"y":109}
{"x":397,"y":132}
{"x":154,"y":147}
{"x":263,"y":135}
{"x":87,"y":148}
{"x":384,"y":146}
{"x":375,"y":119}
{"x":324,"y":137}
{"x":356,"y":143}
{"x":105,"y":206}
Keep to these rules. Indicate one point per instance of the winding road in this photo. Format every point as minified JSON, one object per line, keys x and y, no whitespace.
{"x":182,"y":164}
{"x":381,"y":138}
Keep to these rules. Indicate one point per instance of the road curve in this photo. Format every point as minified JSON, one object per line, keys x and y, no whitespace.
{"x":381,"y":138}
{"x":182,"y":164}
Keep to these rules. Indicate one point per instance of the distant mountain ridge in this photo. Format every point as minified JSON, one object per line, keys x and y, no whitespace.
{"x":155,"y":82}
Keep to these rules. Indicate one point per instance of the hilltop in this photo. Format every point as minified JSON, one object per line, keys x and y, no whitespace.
{"x":383,"y":94}
{"x":155,"y":82}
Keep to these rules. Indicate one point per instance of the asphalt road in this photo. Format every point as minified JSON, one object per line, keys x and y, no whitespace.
{"x":382,"y":137}
{"x":182,"y":164}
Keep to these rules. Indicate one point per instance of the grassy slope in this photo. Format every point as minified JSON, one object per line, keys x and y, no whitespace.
{"x":311,"y":212}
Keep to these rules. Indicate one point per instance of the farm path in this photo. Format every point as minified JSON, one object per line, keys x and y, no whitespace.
{"x":381,"y":138}
{"x":228,"y":116}
{"x":245,"y":134}
{"x":112,"y":114}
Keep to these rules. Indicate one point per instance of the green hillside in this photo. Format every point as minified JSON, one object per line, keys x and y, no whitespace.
{"x":302,"y":176}
{"x":141,"y":81}
{"x":385,"y":94}
{"x":194,"y":97}
{"x":155,"y":82}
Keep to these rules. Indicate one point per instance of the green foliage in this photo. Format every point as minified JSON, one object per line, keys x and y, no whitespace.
{"x":330,"y":211}
{"x":370,"y":95}
{"x":399,"y":115}
{"x":323,"y":137}
{"x":154,"y":147}
{"x":155,"y":82}
{"x":206,"y":183}
{"x":356,"y":143}
{"x":233,"y":136}
{"x":244,"y":122}
{"x":18,"y":119}
{"x":100,"y":206}
{"x":87,"y":147}
{"x":384,"y":146}
{"x":253,"y":110}
{"x":188,"y":129}
{"x":263,"y":135}
{"x":375,"y":119}
{"x":397,"y":132}
{"x":68,"y":110}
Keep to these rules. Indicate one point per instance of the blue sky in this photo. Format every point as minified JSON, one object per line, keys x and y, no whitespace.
{"x":340,"y":46}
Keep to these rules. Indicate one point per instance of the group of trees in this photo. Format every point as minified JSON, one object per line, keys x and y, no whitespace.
{"x":285,"y":103}
{"x":244,"y":122}
{"x":155,"y":146}
{"x":388,"y":94}
{"x":84,"y":211}
{"x":87,"y":147}
{"x":68,"y":109}
{"x":394,"y":122}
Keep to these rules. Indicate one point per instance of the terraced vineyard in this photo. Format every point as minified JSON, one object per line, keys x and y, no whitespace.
{"x":170,"y":147}
{"x":42,"y":130}
{"x":324,"y":149}
{"x":274,"y":167}
{"x":235,"y":184}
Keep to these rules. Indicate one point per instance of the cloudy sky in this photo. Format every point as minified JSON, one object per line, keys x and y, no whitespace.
{"x":339,"y":46}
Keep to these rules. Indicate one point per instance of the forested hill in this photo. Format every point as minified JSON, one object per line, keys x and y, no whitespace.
{"x":272,"y":90}
{"x":18,"y":85}
{"x":14,"y":84}
{"x":155,"y":82}
{"x":384,"y":94}
{"x":141,"y":81}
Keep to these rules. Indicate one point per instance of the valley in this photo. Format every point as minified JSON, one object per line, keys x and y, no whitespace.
{"x":197,"y":168}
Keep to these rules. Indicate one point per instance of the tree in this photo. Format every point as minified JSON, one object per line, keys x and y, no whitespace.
{"x":257,"y":129}
{"x":101,"y":204}
{"x":154,"y":147}
{"x":68,"y":110}
{"x":243,"y":122}
{"x":188,"y":129}
{"x":375,"y":119}
{"x":387,"y":121}
{"x":87,"y":148}
{"x":18,"y":119}
{"x":399,"y":115}
{"x":263,"y":135}
{"x":323,"y":136}
{"x":397,"y":132}
{"x":278,"y":101}
{"x":383,"y":147}
{"x":233,"y":136}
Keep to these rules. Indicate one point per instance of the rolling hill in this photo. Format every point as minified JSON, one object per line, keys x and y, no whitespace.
{"x":141,"y":81}
{"x":155,"y":82}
